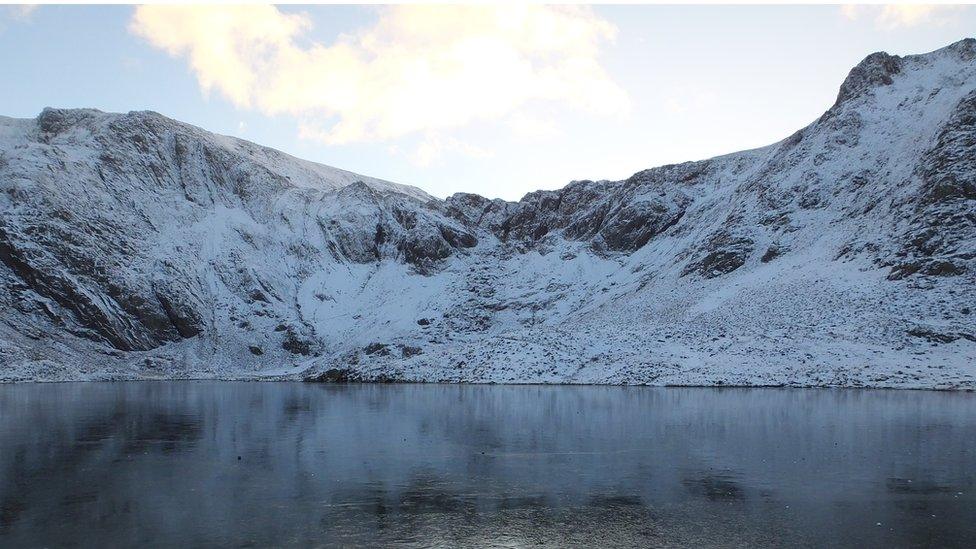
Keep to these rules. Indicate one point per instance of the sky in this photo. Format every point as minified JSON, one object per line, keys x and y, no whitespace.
{"x":496,"y":100}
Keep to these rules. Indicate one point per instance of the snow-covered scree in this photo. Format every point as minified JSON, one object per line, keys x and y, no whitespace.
{"x":135,"y":246}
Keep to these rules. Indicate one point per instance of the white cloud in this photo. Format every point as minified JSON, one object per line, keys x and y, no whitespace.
{"x":417,"y":70}
{"x":895,"y":16}
{"x":530,"y":127}
{"x":20,"y":12}
{"x":16,"y":13}
{"x":434,"y":146}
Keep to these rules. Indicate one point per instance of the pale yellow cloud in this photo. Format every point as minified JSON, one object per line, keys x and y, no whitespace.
{"x":530,"y":127}
{"x":417,"y":69}
{"x":895,"y":16}
{"x":433,"y":147}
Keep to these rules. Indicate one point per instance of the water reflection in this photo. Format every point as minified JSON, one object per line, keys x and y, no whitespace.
{"x":259,"y":464}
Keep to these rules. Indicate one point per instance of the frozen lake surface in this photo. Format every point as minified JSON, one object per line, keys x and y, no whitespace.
{"x":258,"y":464}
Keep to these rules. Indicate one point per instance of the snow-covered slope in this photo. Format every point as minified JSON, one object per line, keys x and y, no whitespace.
{"x":134,"y":246}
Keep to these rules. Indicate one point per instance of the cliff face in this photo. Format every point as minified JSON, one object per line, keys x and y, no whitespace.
{"x":135,"y":246}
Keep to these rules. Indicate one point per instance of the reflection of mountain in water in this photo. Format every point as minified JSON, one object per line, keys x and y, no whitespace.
{"x":158,"y":463}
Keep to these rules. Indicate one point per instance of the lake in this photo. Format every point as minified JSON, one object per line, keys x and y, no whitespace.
{"x":258,"y":464}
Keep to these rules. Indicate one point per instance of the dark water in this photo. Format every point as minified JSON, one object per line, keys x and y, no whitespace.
{"x":157,"y":463}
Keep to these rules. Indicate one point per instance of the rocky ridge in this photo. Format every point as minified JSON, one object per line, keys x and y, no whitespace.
{"x":135,"y":246}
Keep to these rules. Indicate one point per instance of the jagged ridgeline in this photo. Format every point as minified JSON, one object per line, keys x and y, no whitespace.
{"x":136,"y":246}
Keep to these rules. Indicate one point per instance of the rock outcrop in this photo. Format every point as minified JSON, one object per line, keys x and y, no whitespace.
{"x":136,"y":246}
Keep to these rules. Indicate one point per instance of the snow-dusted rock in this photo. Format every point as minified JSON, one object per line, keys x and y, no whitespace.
{"x":135,"y":246}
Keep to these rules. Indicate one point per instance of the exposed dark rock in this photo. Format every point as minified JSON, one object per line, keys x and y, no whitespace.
{"x":333,"y":375}
{"x":931,"y":267}
{"x":345,"y":375}
{"x":44,"y":275}
{"x":457,"y":238}
{"x":632,"y":226}
{"x":380,"y":349}
{"x":874,"y":71}
{"x":620,"y":216}
{"x":422,"y":250}
{"x":722,"y":254}
{"x":184,"y":316}
{"x":948,"y":167}
{"x":772,"y":252}
{"x":936,"y":242}
{"x":258,"y":295}
{"x":378,"y":378}
{"x":811,"y":200}
{"x":296,"y":344}
{"x":932,"y":336}
{"x":379,"y":238}
{"x":902,"y":270}
{"x":55,"y":121}
{"x":407,"y":351}
{"x":942,"y":267}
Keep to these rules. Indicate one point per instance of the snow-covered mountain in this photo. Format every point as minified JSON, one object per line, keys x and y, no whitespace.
{"x":135,"y":246}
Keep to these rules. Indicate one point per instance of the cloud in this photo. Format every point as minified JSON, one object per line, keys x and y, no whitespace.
{"x":434,"y":146}
{"x":16,"y":13}
{"x":417,"y":69}
{"x":20,"y":12}
{"x":895,"y":16}
{"x":529,"y":127}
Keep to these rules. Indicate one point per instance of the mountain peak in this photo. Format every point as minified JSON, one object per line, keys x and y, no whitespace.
{"x":965,"y":49}
{"x":880,"y":68}
{"x":54,"y":120}
{"x":115,"y":130}
{"x":140,"y":246}
{"x":873,"y":71}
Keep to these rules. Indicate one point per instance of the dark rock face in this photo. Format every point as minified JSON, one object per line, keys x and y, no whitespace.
{"x":947,"y":169}
{"x":771,"y":253}
{"x":177,"y":291}
{"x":80,"y":229}
{"x":422,"y":250}
{"x":121,"y":315}
{"x":936,"y":337}
{"x":401,"y":229}
{"x":297,"y":344}
{"x":631,"y":226}
{"x":936,"y":241}
{"x":345,"y":375}
{"x":721,"y":254}
{"x":408,"y":351}
{"x":55,"y":121}
{"x":615,"y":217}
{"x":380,"y":349}
{"x":875,"y":70}
{"x":79,"y":244}
{"x":332,"y":375}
